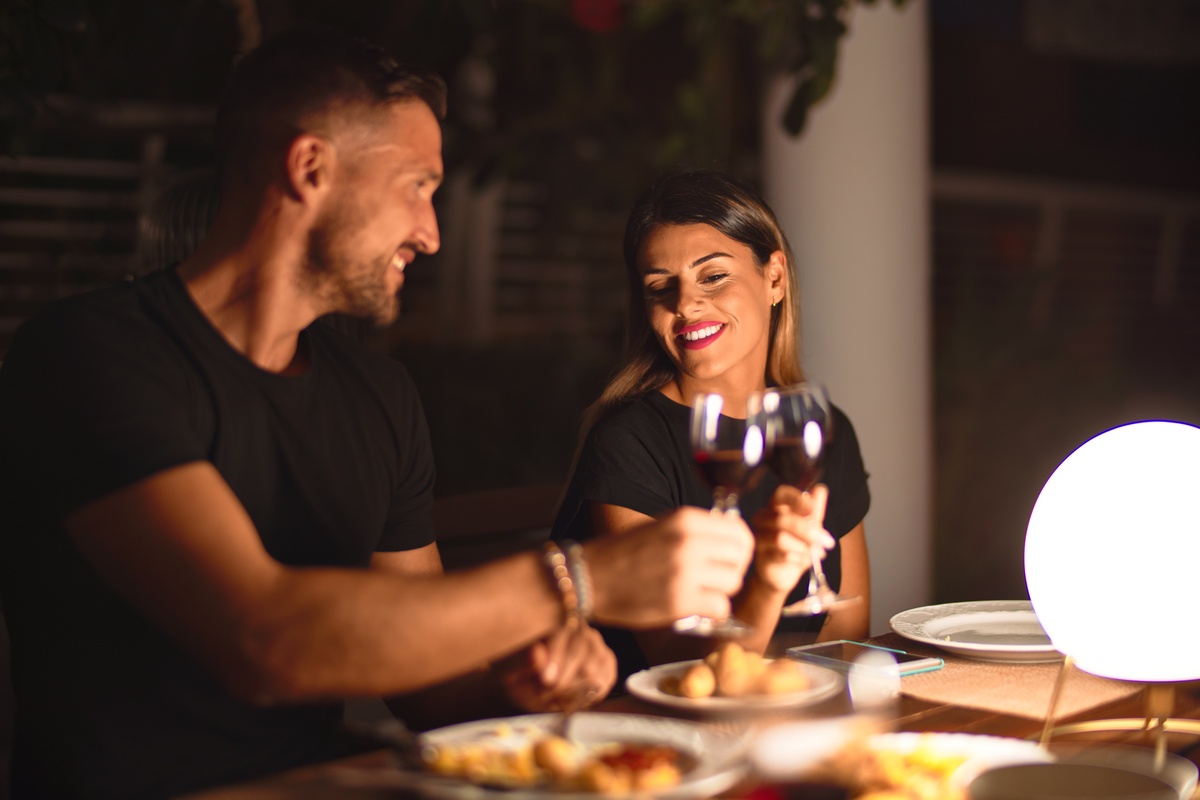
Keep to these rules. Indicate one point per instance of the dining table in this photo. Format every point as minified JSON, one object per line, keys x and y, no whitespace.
{"x":965,"y":696}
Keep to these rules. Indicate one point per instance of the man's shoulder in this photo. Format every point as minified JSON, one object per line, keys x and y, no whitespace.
{"x":91,"y":317}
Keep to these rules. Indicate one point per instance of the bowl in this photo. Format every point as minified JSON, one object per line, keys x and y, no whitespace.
{"x":1084,"y":772}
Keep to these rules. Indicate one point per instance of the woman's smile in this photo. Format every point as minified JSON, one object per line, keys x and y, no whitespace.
{"x":700,"y":335}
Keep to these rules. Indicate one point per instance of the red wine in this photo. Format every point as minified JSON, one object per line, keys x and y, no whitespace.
{"x":727,"y":469}
{"x":791,"y":462}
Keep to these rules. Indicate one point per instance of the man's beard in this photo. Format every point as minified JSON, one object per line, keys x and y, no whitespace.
{"x":354,"y":287}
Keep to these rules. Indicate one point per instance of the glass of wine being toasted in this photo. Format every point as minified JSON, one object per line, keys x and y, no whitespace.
{"x":728,"y":445}
{"x":799,"y":426}
{"x":728,"y":441}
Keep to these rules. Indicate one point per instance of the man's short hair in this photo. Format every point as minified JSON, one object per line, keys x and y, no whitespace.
{"x":302,"y":74}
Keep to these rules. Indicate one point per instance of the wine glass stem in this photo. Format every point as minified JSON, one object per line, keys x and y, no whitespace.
{"x":725,"y":502}
{"x":816,"y":578}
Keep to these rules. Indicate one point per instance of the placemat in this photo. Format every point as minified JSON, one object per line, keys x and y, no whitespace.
{"x":1020,"y":689}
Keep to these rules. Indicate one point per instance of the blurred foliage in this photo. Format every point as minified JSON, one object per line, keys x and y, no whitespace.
{"x":627,"y":85}
{"x":637,"y":86}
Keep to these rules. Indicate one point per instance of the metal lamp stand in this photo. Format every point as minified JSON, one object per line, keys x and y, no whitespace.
{"x":1160,"y":700}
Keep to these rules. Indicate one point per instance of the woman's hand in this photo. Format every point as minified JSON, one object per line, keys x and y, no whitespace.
{"x":570,"y":669}
{"x":785,"y":532}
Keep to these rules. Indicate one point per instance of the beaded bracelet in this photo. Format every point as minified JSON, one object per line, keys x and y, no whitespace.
{"x":581,"y":577}
{"x":560,"y":574}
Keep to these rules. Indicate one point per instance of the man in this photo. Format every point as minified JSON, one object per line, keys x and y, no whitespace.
{"x":217,"y":513}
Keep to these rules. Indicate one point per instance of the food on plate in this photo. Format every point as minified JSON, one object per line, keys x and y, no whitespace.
{"x":510,"y":760}
{"x":698,"y":681}
{"x":557,"y":756}
{"x":731,"y":671}
{"x":629,"y":768}
{"x":783,"y":676}
{"x":873,"y":772}
{"x":737,"y":671}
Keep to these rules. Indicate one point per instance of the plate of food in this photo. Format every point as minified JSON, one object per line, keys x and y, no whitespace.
{"x":985,"y":630}
{"x":531,"y":758}
{"x":918,"y":766}
{"x":731,"y":679}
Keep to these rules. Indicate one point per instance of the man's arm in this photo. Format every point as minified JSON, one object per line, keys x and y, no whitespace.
{"x":476,"y":695}
{"x":422,"y":562}
{"x":663,"y":645}
{"x":569,"y":669}
{"x":180,"y":547}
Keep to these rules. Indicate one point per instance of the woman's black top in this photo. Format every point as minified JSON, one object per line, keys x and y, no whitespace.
{"x":638,"y":456}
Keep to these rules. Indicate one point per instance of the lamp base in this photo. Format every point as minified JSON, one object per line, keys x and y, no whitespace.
{"x":1133,"y":724}
{"x":1160,"y":700}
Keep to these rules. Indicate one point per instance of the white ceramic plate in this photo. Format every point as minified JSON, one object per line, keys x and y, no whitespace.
{"x":982,"y":752}
{"x":987,"y":630}
{"x":645,"y":685}
{"x":719,"y":757}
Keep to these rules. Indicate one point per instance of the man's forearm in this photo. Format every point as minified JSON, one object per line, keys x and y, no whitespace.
{"x":476,"y":695}
{"x":342,"y":633}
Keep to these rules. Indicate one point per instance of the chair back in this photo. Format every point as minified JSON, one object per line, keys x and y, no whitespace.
{"x":476,"y":527}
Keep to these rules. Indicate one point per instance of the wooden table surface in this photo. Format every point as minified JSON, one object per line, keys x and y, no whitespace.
{"x":907,"y":714}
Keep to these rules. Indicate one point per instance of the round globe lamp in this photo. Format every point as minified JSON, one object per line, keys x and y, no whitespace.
{"x":1112,"y":562}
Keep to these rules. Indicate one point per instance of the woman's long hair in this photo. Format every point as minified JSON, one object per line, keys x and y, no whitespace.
{"x":687,"y":198}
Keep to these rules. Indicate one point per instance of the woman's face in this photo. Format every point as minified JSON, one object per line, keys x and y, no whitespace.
{"x":709,"y":304}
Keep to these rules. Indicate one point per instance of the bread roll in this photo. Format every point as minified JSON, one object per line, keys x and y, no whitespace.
{"x":783,"y":676}
{"x":556,"y":756}
{"x":734,"y":670}
{"x":698,"y":681}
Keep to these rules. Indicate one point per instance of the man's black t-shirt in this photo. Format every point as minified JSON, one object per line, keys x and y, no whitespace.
{"x":108,"y":388}
{"x":639,"y":456}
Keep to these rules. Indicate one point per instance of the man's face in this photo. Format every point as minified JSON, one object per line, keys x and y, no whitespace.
{"x":379,"y":214}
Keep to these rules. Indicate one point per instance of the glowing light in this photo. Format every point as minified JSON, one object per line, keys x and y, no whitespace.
{"x":1112,"y":553}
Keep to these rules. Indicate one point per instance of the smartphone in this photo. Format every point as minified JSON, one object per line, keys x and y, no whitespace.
{"x":840,"y":655}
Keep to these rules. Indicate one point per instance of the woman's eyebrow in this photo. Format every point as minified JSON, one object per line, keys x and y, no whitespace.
{"x":707,"y":258}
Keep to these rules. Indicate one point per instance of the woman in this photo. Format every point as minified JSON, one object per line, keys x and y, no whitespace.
{"x":714,"y":307}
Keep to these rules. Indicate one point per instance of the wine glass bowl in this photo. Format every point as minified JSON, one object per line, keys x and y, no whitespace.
{"x":799,"y":426}
{"x":728,"y":446}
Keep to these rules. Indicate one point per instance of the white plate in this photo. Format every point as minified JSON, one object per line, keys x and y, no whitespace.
{"x":719,"y":757}
{"x":645,"y":685}
{"x":986,"y":630}
{"x":982,"y":752}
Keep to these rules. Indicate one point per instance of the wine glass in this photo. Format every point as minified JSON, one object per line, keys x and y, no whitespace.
{"x":728,"y":440}
{"x":728,"y":445}
{"x":799,"y":425}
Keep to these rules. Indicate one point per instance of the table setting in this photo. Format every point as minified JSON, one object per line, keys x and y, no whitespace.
{"x":1024,"y":701}
{"x":943,"y":729}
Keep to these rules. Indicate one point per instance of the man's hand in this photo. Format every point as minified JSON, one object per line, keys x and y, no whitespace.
{"x":688,"y":562}
{"x":787,"y":531}
{"x":569,"y":670}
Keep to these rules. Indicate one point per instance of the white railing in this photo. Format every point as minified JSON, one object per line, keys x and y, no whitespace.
{"x":1053,"y":201}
